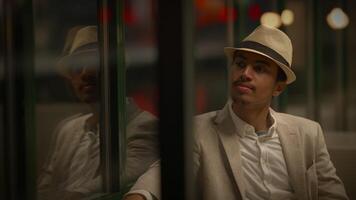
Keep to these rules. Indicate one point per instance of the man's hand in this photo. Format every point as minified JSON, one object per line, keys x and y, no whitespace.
{"x":134,"y":197}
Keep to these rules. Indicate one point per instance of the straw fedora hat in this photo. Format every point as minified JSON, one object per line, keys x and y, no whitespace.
{"x":80,"y":49}
{"x":271,"y":43}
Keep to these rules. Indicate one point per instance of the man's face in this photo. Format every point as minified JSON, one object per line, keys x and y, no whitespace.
{"x":84,"y":80}
{"x":254,"y":79}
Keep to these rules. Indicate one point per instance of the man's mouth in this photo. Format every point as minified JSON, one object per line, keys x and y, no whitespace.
{"x":244,"y":87}
{"x":88,"y":87}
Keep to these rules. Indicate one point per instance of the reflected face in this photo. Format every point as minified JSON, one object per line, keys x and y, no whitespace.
{"x":254,"y":79}
{"x":85,"y":81}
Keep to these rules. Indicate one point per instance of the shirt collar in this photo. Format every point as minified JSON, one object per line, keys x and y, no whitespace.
{"x":244,"y":129}
{"x":90,"y":127}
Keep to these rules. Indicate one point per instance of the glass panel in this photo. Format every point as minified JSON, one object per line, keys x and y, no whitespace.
{"x":210,"y":40}
{"x":298,"y":97}
{"x":68,"y":99}
{"x":141,"y":56}
{"x":333,"y":69}
{"x":141,"y":89}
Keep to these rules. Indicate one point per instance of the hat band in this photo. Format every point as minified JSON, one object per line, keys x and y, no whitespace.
{"x":263,"y":49}
{"x":86,"y":47}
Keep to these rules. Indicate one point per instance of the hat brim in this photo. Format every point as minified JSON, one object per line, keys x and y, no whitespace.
{"x":229,"y":52}
{"x":82,"y":58}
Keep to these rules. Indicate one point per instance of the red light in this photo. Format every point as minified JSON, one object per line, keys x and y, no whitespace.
{"x":129,"y":17}
{"x":254,"y":12}
{"x":223,"y":15}
{"x":105,"y":15}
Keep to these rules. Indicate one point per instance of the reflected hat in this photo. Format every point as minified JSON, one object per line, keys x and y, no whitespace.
{"x":271,"y":43}
{"x":80,"y":48}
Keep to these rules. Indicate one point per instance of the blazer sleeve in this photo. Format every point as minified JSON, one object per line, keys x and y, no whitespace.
{"x":150,"y":181}
{"x":142,"y":146}
{"x":329,"y":184}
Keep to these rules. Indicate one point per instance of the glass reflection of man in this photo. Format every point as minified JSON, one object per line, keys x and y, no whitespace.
{"x":72,"y":169}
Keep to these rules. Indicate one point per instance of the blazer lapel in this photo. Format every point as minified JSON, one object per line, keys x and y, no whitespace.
{"x":292,"y":151}
{"x":231,"y":147}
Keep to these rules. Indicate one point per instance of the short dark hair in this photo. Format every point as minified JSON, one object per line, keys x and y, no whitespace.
{"x":281,"y":75}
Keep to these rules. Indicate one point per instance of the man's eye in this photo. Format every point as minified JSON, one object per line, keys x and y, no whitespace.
{"x":261,"y":68}
{"x":258,"y":68}
{"x":240,"y":64}
{"x":77,"y":70}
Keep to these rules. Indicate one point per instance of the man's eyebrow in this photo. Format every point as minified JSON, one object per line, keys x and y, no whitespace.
{"x":240,"y":56}
{"x":262,"y":62}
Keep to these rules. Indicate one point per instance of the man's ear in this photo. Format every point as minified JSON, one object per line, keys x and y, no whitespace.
{"x":280,"y":86}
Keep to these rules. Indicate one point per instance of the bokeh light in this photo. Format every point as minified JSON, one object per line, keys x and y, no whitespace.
{"x":287,"y":17}
{"x":337,"y":19}
{"x":271,"y":19}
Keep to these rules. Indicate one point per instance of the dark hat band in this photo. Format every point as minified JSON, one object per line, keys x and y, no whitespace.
{"x":93,"y":46}
{"x":263,"y":49}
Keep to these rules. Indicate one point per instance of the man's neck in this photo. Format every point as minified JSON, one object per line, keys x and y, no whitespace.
{"x":93,"y":120}
{"x":256,"y":117}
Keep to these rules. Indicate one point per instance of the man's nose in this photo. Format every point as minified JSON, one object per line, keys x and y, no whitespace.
{"x":247,"y":72}
{"x":89,"y":73}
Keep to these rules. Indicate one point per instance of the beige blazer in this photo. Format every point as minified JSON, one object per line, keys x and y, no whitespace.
{"x":217,"y":160}
{"x":141,"y":152}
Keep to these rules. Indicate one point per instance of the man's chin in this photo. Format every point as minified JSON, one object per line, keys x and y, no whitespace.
{"x":240,"y":99}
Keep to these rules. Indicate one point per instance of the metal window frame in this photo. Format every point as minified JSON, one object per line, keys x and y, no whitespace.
{"x":175,"y":78}
{"x":19,"y":133}
{"x":112,"y":76}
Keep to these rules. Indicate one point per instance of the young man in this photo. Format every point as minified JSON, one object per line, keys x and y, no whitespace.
{"x":247,"y":150}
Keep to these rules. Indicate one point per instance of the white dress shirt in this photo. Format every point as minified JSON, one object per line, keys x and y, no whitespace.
{"x":263,"y":164}
{"x":78,"y":172}
{"x":84,"y":174}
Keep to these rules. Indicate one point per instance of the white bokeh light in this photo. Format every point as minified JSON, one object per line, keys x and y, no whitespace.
{"x":287,"y":17}
{"x":271,"y":19}
{"x":337,"y":19}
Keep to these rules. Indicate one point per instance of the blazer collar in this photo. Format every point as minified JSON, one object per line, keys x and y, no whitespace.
{"x":292,"y":150}
{"x":230,"y":142}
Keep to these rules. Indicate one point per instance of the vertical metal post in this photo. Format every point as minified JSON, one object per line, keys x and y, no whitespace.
{"x":189,"y":93}
{"x":121,"y":83}
{"x":317,"y":58}
{"x":239,"y":30}
{"x":230,"y":22}
{"x":3,"y":189}
{"x":174,"y":78}
{"x":341,"y":101}
{"x":231,"y":34}
{"x":341,"y":111}
{"x":310,"y":54}
{"x":241,"y":25}
{"x":112,"y":79}
{"x":314,"y":60}
{"x":346,"y":126}
{"x":283,"y":98}
{"x":19,"y":135}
